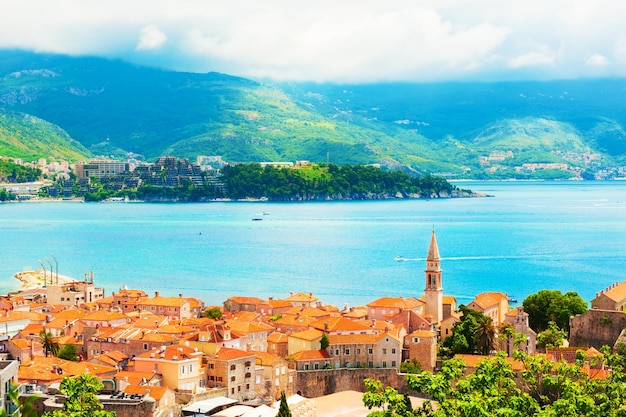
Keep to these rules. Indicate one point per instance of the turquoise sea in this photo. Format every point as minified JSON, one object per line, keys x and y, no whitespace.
{"x":569,"y":236}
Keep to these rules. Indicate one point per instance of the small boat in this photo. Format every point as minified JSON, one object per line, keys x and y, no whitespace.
{"x":266,"y":213}
{"x":398,"y":258}
{"x":257,"y":219}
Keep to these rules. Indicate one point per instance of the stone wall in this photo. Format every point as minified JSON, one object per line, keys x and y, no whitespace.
{"x":596,"y":328}
{"x":311,"y":384}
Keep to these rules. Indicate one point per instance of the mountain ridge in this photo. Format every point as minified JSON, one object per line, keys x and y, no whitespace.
{"x":114,"y":108}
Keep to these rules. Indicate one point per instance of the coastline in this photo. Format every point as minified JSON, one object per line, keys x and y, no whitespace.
{"x":37,"y":279}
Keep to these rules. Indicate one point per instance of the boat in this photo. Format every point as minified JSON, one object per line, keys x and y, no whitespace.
{"x":398,"y":258}
{"x":257,"y":219}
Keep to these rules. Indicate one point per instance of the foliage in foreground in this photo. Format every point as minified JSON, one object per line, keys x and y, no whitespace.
{"x":540,"y":389}
{"x":81,"y":398}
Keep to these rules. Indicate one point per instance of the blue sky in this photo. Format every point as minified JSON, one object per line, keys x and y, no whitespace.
{"x":332,"y":40}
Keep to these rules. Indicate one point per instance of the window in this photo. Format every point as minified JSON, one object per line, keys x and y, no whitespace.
{"x":384,"y":351}
{"x":211,"y":366}
{"x":416,"y":340}
{"x":232,"y":390}
{"x":393,"y":351}
{"x":306,"y":366}
{"x":238,"y":388}
{"x":358,"y":351}
{"x":247,"y":386}
{"x":182,"y":369}
{"x":316,"y":366}
{"x":347,"y":351}
{"x":336,"y":352}
{"x":211,"y":378}
{"x":384,"y":364}
{"x":191,"y":368}
{"x":393,"y":364}
{"x":370,"y":364}
{"x":232,"y":378}
{"x":145,"y":346}
{"x":370,"y":351}
{"x":232,"y":367}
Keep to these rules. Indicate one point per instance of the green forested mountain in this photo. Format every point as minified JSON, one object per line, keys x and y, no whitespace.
{"x":113,"y":108}
{"x":29,"y":138}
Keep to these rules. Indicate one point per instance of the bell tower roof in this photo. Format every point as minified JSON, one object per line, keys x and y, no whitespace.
{"x":433,"y":250}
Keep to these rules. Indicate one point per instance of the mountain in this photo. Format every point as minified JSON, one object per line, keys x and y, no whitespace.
{"x":28,"y":137}
{"x":114,"y":108}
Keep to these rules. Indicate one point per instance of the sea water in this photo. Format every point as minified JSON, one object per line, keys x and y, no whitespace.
{"x":529,"y":236}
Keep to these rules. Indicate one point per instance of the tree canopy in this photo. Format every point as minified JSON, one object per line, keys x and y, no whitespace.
{"x":552,"y":305}
{"x":81,"y":399}
{"x":541,"y":388}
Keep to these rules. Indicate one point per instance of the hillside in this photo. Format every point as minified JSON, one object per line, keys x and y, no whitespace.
{"x":29,"y":138}
{"x":113,"y":108}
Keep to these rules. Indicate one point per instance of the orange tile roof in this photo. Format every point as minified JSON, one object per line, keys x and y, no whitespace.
{"x":153,"y":391}
{"x":248,"y":326}
{"x":171,"y":353}
{"x":156,"y":337}
{"x":104,"y":315}
{"x":245,"y":316}
{"x":42,"y":368}
{"x":473,"y":361}
{"x":448,"y":299}
{"x":489,"y":299}
{"x":230,"y":354}
{"x":617,"y":293}
{"x":175,"y":329}
{"x":277,"y":337}
{"x":423,"y":333}
{"x":266,"y":359}
{"x":24,"y":343}
{"x":124,"y":292}
{"x":245,"y":300}
{"x":71,"y":314}
{"x":307,"y":311}
{"x":514,"y":312}
{"x":301,"y":297}
{"x":291,"y":320}
{"x":355,"y":313}
{"x":310,"y":355}
{"x":278,"y":303}
{"x":343,"y":339}
{"x":309,"y":335}
{"x":134,"y":377}
{"x":165,"y":301}
{"x":339,"y":324}
{"x":408,"y":303}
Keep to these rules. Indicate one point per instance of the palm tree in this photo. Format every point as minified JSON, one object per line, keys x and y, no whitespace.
{"x":49,"y":342}
{"x":485,"y":335}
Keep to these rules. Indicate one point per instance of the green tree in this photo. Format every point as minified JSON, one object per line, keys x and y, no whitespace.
{"x":411,"y":367}
{"x":485,"y":335}
{"x":324,"y":341}
{"x":213,"y":313}
{"x":551,"y":337}
{"x":23,"y":407}
{"x":552,"y":305}
{"x":48,"y":342}
{"x":390,"y":402}
{"x":283,"y":410}
{"x":81,"y":399}
{"x":68,"y":352}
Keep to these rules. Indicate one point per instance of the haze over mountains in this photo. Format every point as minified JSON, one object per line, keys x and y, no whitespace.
{"x":90,"y":106}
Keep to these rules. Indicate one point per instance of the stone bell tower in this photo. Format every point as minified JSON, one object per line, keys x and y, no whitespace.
{"x":433,"y":293}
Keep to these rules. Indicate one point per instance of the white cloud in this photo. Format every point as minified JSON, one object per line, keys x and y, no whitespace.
{"x":327,"y":40}
{"x":597,"y":60}
{"x":151,"y":38}
{"x":542,"y":57}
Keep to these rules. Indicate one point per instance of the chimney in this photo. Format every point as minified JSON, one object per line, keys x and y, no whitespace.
{"x":156,"y":293}
{"x":180,"y":295}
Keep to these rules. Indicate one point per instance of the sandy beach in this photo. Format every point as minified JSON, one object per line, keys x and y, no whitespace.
{"x":39,"y":278}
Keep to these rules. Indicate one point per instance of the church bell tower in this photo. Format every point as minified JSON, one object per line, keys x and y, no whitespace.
{"x":433,"y":293}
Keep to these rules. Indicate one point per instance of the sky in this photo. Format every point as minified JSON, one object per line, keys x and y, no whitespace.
{"x":349,"y":41}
